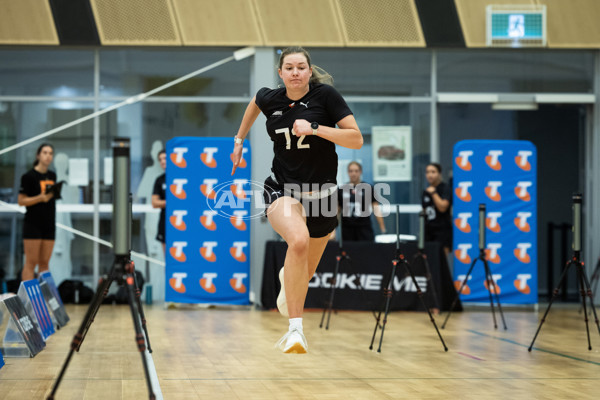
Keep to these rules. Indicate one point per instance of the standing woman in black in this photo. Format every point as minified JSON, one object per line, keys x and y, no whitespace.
{"x":40,"y":218}
{"x":159,"y":195}
{"x":301,"y":120}
{"x":436,"y":203}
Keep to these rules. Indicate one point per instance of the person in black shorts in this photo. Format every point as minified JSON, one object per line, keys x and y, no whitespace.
{"x":436,"y":203}
{"x":357,"y":201}
{"x":40,"y":218}
{"x":300,"y":193}
{"x":159,"y":198}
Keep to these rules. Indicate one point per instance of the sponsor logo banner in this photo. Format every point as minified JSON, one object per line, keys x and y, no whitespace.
{"x":208,"y":222}
{"x":501,"y":175}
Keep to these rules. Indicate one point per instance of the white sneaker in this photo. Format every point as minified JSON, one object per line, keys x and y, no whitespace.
{"x":281,"y":300}
{"x":293,"y":342}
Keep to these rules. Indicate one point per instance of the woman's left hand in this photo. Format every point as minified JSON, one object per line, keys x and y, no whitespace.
{"x":431,"y":189}
{"x":301,"y":127}
{"x":236,"y":156}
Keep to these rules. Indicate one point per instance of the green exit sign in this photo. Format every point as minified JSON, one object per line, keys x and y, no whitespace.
{"x":516,"y":26}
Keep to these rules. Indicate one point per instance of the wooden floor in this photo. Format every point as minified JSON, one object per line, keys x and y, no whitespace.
{"x":229,"y":354}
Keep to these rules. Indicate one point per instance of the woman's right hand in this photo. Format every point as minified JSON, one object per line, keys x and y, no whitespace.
{"x":46,"y":197}
{"x":236,"y":157}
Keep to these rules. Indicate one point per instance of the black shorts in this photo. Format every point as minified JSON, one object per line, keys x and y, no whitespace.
{"x":358,"y":232}
{"x":441,"y":235}
{"x":317,"y":224}
{"x":46,"y":231}
{"x":160,"y":234}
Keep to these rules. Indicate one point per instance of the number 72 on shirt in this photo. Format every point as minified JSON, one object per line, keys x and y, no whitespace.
{"x":288,"y":139}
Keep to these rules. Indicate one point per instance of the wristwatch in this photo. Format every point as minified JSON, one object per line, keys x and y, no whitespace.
{"x":315,"y":127}
{"x":237,"y":140}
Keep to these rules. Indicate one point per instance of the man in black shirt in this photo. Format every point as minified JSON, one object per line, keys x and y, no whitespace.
{"x":159,"y":198}
{"x":357,"y":201}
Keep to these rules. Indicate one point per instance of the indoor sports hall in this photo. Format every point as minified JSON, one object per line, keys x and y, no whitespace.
{"x":317,"y":199}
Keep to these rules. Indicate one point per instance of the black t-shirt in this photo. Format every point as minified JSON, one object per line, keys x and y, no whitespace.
{"x":434,"y":218}
{"x":160,"y":189}
{"x":34,"y":183}
{"x":356,"y":203}
{"x":305,"y":159}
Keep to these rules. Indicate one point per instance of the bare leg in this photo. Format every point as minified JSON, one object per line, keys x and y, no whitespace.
{"x":446,"y":251}
{"x":436,"y":310}
{"x":286,"y":216}
{"x":164,"y":246}
{"x":32,"y":253}
{"x":316,"y":247}
{"x":45,"y":254}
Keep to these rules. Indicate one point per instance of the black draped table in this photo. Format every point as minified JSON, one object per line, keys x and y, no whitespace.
{"x":370,"y":265}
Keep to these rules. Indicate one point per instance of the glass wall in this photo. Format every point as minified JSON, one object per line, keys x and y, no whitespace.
{"x":515,"y":71}
{"x":377,"y":72}
{"x":130,"y":72}
{"x":376,"y":114}
{"x":41,"y":89}
{"x":44,"y":72}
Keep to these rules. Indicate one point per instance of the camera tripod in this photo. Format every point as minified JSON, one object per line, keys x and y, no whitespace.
{"x":594,"y":281}
{"x":421,"y":256}
{"x":388,"y":292}
{"x":123,"y":273}
{"x":489,"y":278}
{"x":122,"y":270}
{"x":595,"y":278}
{"x":584,"y":283}
{"x":341,"y":257}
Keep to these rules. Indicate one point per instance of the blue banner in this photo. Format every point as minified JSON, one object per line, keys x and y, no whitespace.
{"x":1,"y":360}
{"x":207,"y":224}
{"x":33,"y":296}
{"x":502,"y":174}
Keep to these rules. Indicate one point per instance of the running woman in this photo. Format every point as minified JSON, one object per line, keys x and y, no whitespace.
{"x":300,"y":193}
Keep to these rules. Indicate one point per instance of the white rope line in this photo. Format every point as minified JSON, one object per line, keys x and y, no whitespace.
{"x":130,"y":100}
{"x":89,"y":237}
{"x":237,"y":55}
{"x":108,"y":244}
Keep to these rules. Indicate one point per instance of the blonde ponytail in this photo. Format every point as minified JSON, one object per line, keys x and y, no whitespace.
{"x":319,"y":75}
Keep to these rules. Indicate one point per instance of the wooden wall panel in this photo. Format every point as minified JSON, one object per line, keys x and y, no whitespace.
{"x":136,"y":22}
{"x":335,"y":23}
{"x":381,"y":23}
{"x":301,"y":22}
{"x":573,"y":24}
{"x":217,"y":22}
{"x":27,"y":22}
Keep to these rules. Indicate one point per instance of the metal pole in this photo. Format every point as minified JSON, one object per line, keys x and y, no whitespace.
{"x":96,"y":183}
{"x":434,"y":144}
